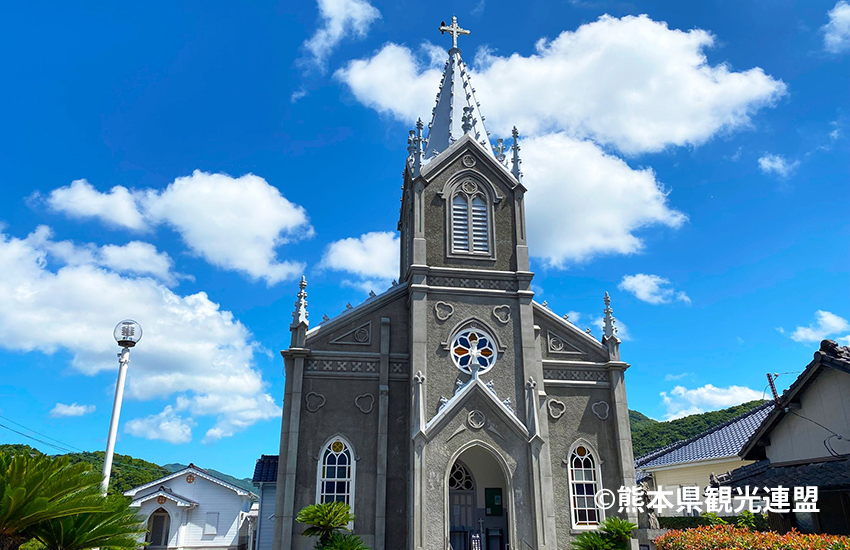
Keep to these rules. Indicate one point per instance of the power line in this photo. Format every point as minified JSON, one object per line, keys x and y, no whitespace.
{"x":36,"y":439}
{"x":41,"y":434}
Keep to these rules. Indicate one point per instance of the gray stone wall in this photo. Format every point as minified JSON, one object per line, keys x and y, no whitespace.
{"x":507,"y":373}
{"x":504,"y":217}
{"x":579,"y":422}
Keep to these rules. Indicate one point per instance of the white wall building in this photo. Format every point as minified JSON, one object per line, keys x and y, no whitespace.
{"x":192,"y":509}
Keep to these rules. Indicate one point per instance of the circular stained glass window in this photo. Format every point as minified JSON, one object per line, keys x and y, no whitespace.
{"x":473,"y":349}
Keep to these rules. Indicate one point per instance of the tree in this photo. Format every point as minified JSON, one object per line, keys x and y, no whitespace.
{"x":325,"y":520}
{"x":115,"y":526}
{"x":34,"y":489}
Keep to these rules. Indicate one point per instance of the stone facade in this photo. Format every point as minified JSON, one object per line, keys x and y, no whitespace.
{"x":382,"y":379}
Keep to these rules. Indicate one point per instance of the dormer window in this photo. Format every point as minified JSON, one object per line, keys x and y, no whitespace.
{"x":470,"y":220}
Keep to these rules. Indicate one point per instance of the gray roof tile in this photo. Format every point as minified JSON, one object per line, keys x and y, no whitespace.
{"x":725,"y":440}
{"x":266,"y":469}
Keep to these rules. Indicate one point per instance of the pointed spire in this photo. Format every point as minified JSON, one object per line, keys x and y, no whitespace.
{"x":515,"y":158}
{"x":457,"y":111}
{"x":299,"y":316}
{"x":609,"y":329}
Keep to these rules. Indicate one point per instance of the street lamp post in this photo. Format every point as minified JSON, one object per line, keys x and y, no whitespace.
{"x":127,"y":333}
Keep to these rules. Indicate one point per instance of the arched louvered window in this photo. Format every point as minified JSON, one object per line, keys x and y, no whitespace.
{"x":585,"y":482}
{"x":470,"y":220}
{"x":336,"y":473}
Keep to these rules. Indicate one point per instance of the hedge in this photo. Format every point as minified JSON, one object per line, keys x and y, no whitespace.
{"x":689,"y":522}
{"x":723,"y":537}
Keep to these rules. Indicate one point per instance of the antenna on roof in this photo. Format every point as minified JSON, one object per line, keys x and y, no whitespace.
{"x":772,"y":384}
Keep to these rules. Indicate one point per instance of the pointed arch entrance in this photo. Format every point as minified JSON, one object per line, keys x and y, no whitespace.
{"x":478,"y":501}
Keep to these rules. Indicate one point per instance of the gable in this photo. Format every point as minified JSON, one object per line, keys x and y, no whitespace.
{"x":560,"y":340}
{"x":182,"y":479}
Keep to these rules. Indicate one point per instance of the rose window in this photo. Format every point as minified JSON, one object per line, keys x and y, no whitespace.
{"x":473,"y":349}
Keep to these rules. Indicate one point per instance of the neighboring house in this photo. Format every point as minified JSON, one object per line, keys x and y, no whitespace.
{"x":265,"y":480}
{"x":192,"y":509}
{"x":805,"y":441}
{"x":691,"y":462}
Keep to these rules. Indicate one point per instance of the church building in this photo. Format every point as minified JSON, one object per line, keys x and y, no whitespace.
{"x":453,"y":410}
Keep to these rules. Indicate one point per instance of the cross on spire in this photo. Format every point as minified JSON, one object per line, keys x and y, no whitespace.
{"x":453,"y":30}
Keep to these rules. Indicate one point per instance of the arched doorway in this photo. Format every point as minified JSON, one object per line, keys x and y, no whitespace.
{"x":477,"y":502}
{"x":159,"y":524}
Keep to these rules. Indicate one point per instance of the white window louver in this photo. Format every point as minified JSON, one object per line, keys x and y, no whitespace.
{"x":480,"y":237}
{"x":460,"y":223}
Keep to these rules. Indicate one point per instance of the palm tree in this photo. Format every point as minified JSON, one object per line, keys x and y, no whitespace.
{"x":116,"y":526}
{"x":325,"y":520}
{"x":38,"y":488}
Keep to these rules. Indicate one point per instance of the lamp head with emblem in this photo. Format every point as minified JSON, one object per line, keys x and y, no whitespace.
{"x":127,"y":333}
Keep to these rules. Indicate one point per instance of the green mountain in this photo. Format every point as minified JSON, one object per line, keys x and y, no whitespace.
{"x":244,"y":483}
{"x":649,"y":435}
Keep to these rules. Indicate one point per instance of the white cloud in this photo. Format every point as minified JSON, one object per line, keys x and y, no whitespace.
{"x":836,"y":33}
{"x":373,"y":257}
{"x":165,"y":426}
{"x":652,"y":289}
{"x":595,"y":207}
{"x":631,"y":82}
{"x":777,"y":164}
{"x":81,"y":200}
{"x":136,"y":257}
{"x":340,"y":19}
{"x":62,"y":410}
{"x":233,"y":223}
{"x":672,"y":377}
{"x":190,"y":349}
{"x":681,"y":402}
{"x":826,"y":324}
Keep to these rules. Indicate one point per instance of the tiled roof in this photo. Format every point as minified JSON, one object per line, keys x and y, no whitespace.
{"x":266,"y":469}
{"x":833,"y":473}
{"x":723,"y":441}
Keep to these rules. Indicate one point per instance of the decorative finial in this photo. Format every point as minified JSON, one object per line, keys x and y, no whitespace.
{"x":545,"y":304}
{"x":415,"y":148}
{"x":372,"y":294}
{"x":325,"y":318}
{"x":349,"y":306}
{"x":395,"y":283}
{"x":609,"y":330}
{"x":567,"y":317}
{"x":588,"y":331}
{"x":466,"y":120}
{"x":515,"y":158}
{"x":300,"y":314}
{"x":500,"y":150}
{"x":453,"y":30}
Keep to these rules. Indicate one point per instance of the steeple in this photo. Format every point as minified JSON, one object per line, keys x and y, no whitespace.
{"x":457,"y":111}
{"x":300,"y":324}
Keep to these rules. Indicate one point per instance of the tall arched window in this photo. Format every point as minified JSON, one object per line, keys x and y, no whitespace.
{"x":336,"y":473}
{"x":158,"y":526}
{"x":470,"y":220}
{"x":585,"y":482}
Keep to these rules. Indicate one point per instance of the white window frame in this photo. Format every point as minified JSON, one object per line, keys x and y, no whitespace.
{"x":352,"y":478}
{"x":600,"y":512}
{"x":211,"y":527}
{"x":488,"y":194}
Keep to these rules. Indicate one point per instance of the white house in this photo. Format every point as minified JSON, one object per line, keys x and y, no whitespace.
{"x":192,"y":509}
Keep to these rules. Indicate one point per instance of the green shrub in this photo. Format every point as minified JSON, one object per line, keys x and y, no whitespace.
{"x":712,"y":518}
{"x":727,"y":537}
{"x":344,"y":542}
{"x":613,"y":534}
{"x":325,"y":520}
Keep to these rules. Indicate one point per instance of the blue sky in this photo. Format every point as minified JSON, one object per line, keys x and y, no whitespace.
{"x":184,"y":165}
